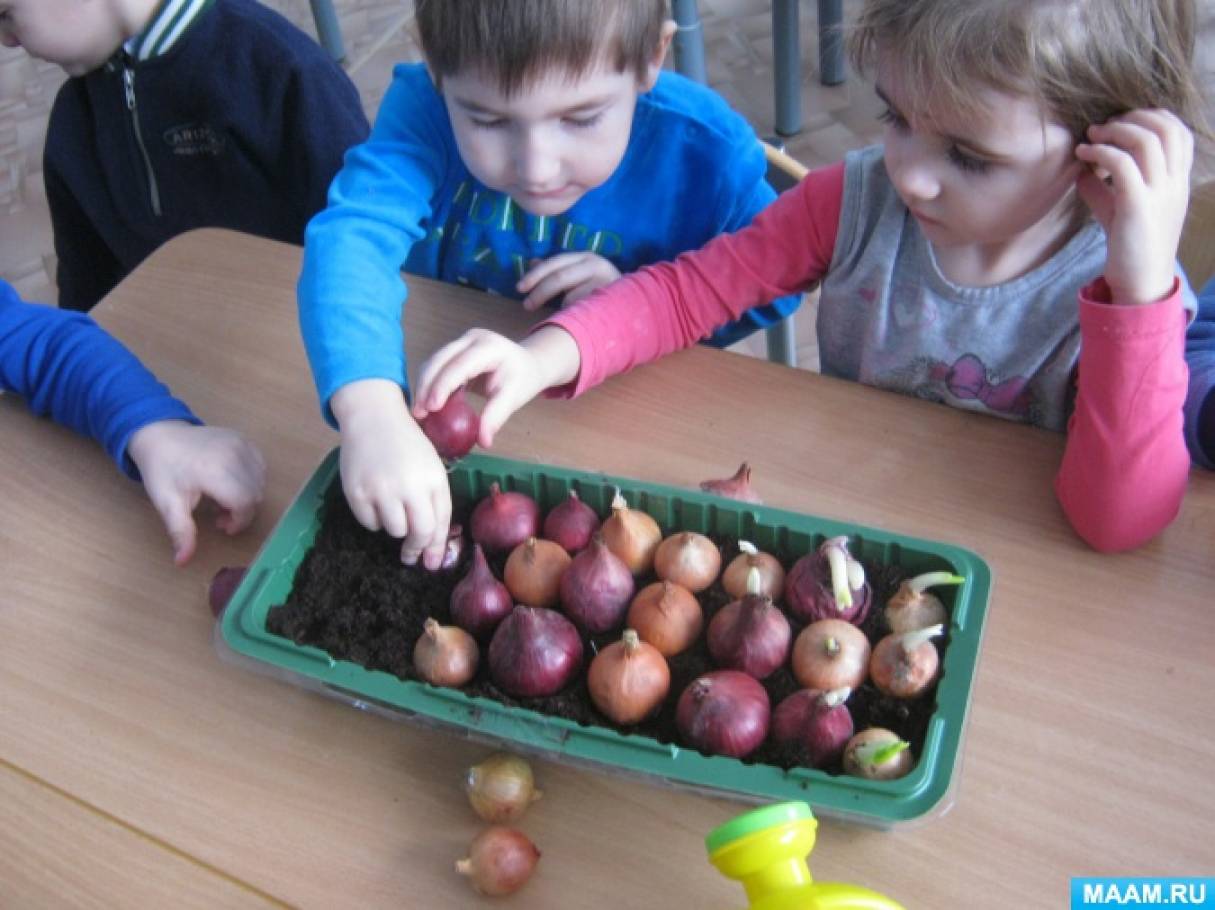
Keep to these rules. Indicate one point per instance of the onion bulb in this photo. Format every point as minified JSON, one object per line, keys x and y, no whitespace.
{"x":878,"y":754}
{"x":913,"y":607}
{"x":829,"y":584}
{"x":724,"y":712}
{"x":818,"y":724}
{"x":501,"y":521}
{"x":452,"y":429}
{"x":905,"y":665}
{"x":771,"y":572}
{"x":223,"y":585}
{"x":628,"y":679}
{"x":500,"y":861}
{"x":534,"y":652}
{"x":667,"y":616}
{"x":736,"y":487}
{"x":596,"y":589}
{"x":632,"y":535}
{"x":533,"y":572}
{"x":571,"y":523}
{"x":831,"y":654}
{"x":500,"y":788}
{"x":479,"y":601}
{"x":750,"y":634}
{"x":445,"y":655}
{"x":689,"y":559}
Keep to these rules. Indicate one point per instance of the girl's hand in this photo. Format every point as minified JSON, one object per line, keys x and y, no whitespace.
{"x":391,"y":474}
{"x":1147,"y":155}
{"x":508,"y":374}
{"x":180,"y":463}
{"x":570,"y":276}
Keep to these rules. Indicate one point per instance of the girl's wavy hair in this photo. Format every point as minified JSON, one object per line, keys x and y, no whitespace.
{"x":514,"y":41}
{"x":1085,"y":61}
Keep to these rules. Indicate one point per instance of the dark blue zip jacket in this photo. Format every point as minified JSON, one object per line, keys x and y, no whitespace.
{"x":242,"y":124}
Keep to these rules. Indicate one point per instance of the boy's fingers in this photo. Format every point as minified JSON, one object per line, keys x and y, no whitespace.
{"x":432,"y":555}
{"x":392,"y":518}
{"x":421,"y":521}
{"x":542,"y":269}
{"x":178,"y":519}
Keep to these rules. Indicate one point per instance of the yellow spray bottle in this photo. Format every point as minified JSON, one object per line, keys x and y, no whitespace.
{"x":766,"y":851}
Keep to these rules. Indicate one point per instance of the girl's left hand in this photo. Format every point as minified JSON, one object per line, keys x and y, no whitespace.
{"x":1147,"y":155}
{"x":569,"y":276}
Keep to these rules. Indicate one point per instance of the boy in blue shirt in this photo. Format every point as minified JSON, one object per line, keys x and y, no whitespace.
{"x":67,"y":367}
{"x":179,"y":114}
{"x":539,"y":153}
{"x":1200,"y":401}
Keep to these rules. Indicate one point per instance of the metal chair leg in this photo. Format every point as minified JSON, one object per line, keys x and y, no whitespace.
{"x":328,"y":32}
{"x":782,"y":342}
{"x":787,"y":65}
{"x":831,"y":42}
{"x":689,"y":41}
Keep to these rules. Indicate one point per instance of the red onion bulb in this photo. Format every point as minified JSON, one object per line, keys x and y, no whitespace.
{"x":751,"y":635}
{"x":571,"y":523}
{"x":596,"y":589}
{"x":817,"y":723}
{"x":829,"y":584}
{"x":534,"y":652}
{"x":479,"y":601}
{"x":736,"y":487}
{"x":500,"y":861}
{"x":724,"y":712}
{"x":501,"y":521}
{"x":223,"y":585}
{"x":453,"y":428}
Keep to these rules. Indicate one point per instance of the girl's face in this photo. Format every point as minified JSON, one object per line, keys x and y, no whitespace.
{"x":994,"y":182}
{"x":550,"y":143}
{"x":78,"y":35}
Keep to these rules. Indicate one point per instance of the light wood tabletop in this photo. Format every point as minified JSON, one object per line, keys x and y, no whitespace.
{"x":138,"y":769}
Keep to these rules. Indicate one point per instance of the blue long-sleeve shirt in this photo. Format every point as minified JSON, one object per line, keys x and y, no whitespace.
{"x":70,"y":369}
{"x":692,"y":169}
{"x":1200,"y":402}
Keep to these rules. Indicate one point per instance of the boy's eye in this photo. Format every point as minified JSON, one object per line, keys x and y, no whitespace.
{"x":583,"y":122}
{"x":890,"y":118}
{"x":964,"y":161}
{"x":493,"y":123}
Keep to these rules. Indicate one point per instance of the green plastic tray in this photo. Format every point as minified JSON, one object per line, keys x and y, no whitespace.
{"x":926,"y":792}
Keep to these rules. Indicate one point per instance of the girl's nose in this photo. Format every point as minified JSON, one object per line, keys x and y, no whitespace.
{"x":914,"y":178}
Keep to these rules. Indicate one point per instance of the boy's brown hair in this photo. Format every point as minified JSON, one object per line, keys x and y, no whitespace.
{"x":1085,"y":60}
{"x":513,"y":41}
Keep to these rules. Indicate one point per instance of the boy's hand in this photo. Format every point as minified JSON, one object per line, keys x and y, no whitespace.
{"x":508,"y":374}
{"x":180,"y":463}
{"x":570,"y":276}
{"x":1147,"y":155}
{"x":391,"y":474}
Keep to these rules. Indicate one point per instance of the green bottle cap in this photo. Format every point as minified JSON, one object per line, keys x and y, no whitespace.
{"x":756,"y":820}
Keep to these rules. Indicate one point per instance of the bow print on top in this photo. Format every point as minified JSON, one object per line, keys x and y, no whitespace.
{"x":966,"y":379}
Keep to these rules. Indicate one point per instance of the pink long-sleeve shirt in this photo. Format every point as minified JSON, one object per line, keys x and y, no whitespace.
{"x":1125,"y":465}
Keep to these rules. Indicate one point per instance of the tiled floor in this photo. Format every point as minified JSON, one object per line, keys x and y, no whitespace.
{"x":738,"y":51}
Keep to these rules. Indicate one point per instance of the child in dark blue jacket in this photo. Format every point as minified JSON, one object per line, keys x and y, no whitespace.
{"x":68,"y":368}
{"x":1200,"y":402}
{"x":180,"y":114}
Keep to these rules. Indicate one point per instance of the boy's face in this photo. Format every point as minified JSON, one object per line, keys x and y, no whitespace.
{"x":78,"y":35}
{"x":552,"y":142}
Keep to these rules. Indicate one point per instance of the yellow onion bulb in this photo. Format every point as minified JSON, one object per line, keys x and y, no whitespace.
{"x":500,"y":788}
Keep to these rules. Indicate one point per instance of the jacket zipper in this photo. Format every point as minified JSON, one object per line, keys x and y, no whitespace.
{"x":128,"y":83}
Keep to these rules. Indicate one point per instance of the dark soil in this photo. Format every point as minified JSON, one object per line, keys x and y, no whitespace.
{"x":353,"y":599}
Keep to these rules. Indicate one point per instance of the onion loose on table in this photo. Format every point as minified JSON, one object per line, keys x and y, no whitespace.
{"x":914,"y":607}
{"x":632,"y":535}
{"x":829,"y":584}
{"x":500,"y":861}
{"x":445,"y":655}
{"x":905,"y":665}
{"x":771,"y":572}
{"x":667,"y":616}
{"x":724,"y":712}
{"x":535,"y":651}
{"x":751,"y":634}
{"x":817,"y":724}
{"x":878,"y":754}
{"x":452,"y":429}
{"x":735,"y":487}
{"x":479,"y":601}
{"x":628,"y":680}
{"x":533,"y":572}
{"x":501,"y":521}
{"x":596,"y":589}
{"x":831,"y":654}
{"x":571,"y":523}
{"x":689,"y":559}
{"x":501,"y":787}
{"x":223,"y":585}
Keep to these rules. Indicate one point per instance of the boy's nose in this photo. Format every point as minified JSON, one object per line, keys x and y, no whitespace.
{"x":7,"y":38}
{"x":537,"y":163}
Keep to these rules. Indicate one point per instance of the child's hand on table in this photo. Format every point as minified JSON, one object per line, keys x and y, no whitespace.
{"x":508,"y":374}
{"x":391,"y":474}
{"x":1147,"y":155}
{"x":566,"y":276}
{"x":180,"y":463}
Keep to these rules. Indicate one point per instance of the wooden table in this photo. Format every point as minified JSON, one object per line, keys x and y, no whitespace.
{"x":138,"y":769}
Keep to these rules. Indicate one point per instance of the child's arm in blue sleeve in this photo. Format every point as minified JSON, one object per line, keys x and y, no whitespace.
{"x":69,"y":368}
{"x":1200,"y":401}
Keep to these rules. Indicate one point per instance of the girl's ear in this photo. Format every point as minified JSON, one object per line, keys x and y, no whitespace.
{"x":660,"y":53}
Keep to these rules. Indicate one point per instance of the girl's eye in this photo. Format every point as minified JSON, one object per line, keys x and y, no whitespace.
{"x":583,"y":123}
{"x":890,"y":118}
{"x":964,"y":161}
